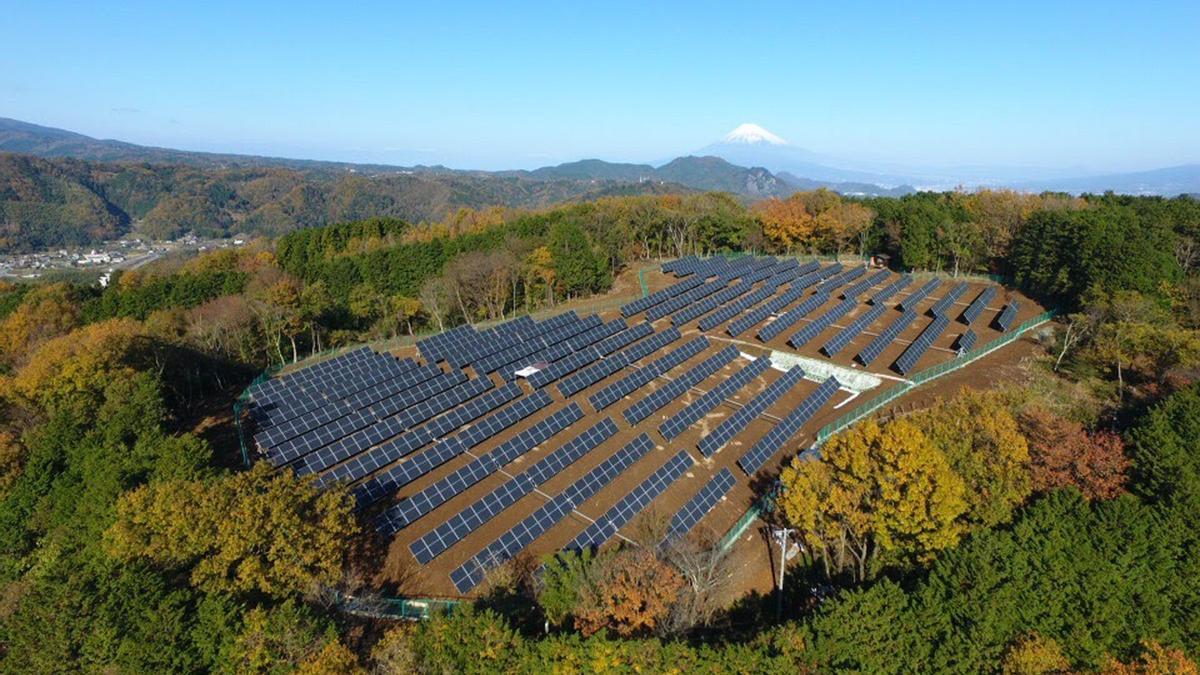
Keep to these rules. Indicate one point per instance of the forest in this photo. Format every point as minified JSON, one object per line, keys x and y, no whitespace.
{"x":1037,"y":527}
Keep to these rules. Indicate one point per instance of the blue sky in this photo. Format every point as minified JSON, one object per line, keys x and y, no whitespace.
{"x":1095,"y":85}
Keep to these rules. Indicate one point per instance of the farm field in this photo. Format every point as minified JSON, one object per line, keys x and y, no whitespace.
{"x":618,"y":423}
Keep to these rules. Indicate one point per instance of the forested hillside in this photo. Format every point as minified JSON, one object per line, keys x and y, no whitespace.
{"x":1046,"y":526}
{"x":47,"y":203}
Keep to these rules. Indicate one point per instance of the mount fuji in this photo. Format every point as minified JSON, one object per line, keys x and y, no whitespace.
{"x":751,"y":145}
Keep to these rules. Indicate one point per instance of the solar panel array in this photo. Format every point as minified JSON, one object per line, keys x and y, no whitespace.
{"x":672,"y":390}
{"x":378,"y":487}
{"x":386,"y":428}
{"x":918,"y":295}
{"x":756,"y":316}
{"x":698,"y":506}
{"x":819,"y":324}
{"x":891,"y":289}
{"x":399,"y":516}
{"x":607,"y":525}
{"x":769,"y":444}
{"x":627,"y":385}
{"x":737,"y":422}
{"x":644,"y":303}
{"x":487,"y":507}
{"x":469,"y":574}
{"x":697,"y":409}
{"x":1007,"y":315}
{"x":885,"y":339}
{"x":862,"y":286}
{"x":790,"y":317}
{"x":836,"y":343}
{"x":943,"y":305}
{"x":978,"y":305}
{"x":378,"y":423}
{"x":380,"y":456}
{"x":914,"y":352}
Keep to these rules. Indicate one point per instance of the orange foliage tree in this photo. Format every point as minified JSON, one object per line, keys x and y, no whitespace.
{"x":632,"y":596}
{"x":1063,"y":453}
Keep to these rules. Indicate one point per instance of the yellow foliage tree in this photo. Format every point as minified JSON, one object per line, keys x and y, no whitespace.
{"x":44,"y":314}
{"x":787,"y":222}
{"x":70,"y":372}
{"x":258,"y":530}
{"x":1035,"y":655}
{"x":984,"y":445}
{"x":874,"y":488}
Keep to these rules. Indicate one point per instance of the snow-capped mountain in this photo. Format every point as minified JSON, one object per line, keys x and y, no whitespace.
{"x":752,"y":145}
{"x":751,"y":134}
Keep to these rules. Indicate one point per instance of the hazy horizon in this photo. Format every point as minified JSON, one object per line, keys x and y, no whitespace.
{"x":1096,"y":87}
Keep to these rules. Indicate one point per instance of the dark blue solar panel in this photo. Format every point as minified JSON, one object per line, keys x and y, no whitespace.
{"x":404,"y":473}
{"x":769,"y":444}
{"x":672,"y":390}
{"x":978,"y":305}
{"x":607,"y":525}
{"x":698,"y":506}
{"x":697,"y":409}
{"x":1007,"y":315}
{"x":966,"y":340}
{"x":891,"y":289}
{"x":630,"y":383}
{"x":918,"y":295}
{"x":790,"y":317}
{"x":946,"y":302}
{"x":838,"y":342}
{"x":507,"y":545}
{"x":866,"y":284}
{"x":819,"y":324}
{"x":487,"y":507}
{"x":399,"y":516}
{"x":908,"y":360}
{"x":886,"y":338}
{"x":378,"y":457}
{"x":710,"y":444}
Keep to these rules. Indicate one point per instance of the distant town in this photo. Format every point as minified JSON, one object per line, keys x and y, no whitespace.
{"x":127,"y":253}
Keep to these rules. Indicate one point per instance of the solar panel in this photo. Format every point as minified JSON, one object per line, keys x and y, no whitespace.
{"x":644,"y":303}
{"x":487,"y":507}
{"x":862,"y":286}
{"x":694,"y":411}
{"x":607,"y":525}
{"x":725,"y":431}
{"x":769,"y":444}
{"x":836,"y":343}
{"x":698,"y":506}
{"x":378,"y":457}
{"x":672,"y":390}
{"x":680,"y":301}
{"x":712,"y":302}
{"x":623,"y":387}
{"x":885,"y":339}
{"x":966,"y":341}
{"x":332,"y":430}
{"x":908,"y":360}
{"x":1007,"y":315}
{"x":978,"y":305}
{"x":756,"y":316}
{"x":819,"y":324}
{"x":507,"y":545}
{"x":376,"y":433}
{"x":398,"y":516}
{"x":891,"y":289}
{"x":943,"y":305}
{"x":733,"y":309}
{"x":790,"y":317}
{"x":918,"y":295}
{"x":402,"y":474}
